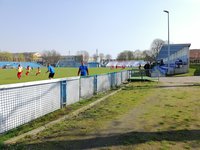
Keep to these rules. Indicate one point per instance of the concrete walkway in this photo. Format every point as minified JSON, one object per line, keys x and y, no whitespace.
{"x":181,"y":80}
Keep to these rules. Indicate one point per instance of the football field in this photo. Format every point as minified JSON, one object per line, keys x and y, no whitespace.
{"x":8,"y":76}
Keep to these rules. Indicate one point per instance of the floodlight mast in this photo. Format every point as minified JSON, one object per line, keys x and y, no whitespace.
{"x":166,"y":11}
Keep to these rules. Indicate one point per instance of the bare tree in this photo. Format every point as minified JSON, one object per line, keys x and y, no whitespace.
{"x":155,"y":47}
{"x":6,"y":56}
{"x":125,"y":55}
{"x":94,"y":57}
{"x":101,"y":56}
{"x":51,"y":56}
{"x":85,"y":55}
{"x":122,"y":56}
{"x":137,"y":54}
{"x":108,"y":57}
{"x":147,"y":55}
{"x":34,"y":58}
{"x":28,"y":56}
{"x":21,"y":57}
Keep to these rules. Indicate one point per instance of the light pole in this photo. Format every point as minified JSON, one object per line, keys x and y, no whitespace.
{"x":168,"y":40}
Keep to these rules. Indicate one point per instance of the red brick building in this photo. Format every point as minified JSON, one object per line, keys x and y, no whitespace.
{"x":195,"y":56}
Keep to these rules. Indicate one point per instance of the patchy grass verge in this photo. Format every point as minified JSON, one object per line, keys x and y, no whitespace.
{"x":141,"y":116}
{"x":49,"y":117}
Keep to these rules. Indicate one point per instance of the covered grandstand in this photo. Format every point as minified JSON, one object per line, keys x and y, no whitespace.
{"x":70,"y":61}
{"x":178,"y":59}
{"x":23,"y":64}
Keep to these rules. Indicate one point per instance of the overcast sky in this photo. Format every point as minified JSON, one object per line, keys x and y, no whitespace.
{"x":110,"y":26}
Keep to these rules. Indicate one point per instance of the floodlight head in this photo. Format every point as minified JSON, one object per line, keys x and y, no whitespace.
{"x":166,"y":11}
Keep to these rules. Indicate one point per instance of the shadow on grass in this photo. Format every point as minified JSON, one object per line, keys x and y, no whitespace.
{"x":181,"y":85}
{"x":197,"y":72}
{"x":130,"y":138}
{"x":160,"y":86}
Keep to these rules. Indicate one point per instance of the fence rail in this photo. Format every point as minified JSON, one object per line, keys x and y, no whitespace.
{"x":23,"y":102}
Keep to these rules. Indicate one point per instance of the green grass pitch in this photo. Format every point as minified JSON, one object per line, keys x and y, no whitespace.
{"x":8,"y":76}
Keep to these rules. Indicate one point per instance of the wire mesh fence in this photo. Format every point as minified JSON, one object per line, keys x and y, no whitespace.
{"x":20,"y":104}
{"x":23,"y":102}
{"x":144,"y":74}
{"x":89,"y":84}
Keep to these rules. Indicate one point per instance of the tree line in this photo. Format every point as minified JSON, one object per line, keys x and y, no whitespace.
{"x":20,"y":57}
{"x":52,"y":56}
{"x":47,"y":56}
{"x":147,"y":55}
{"x":86,"y":56}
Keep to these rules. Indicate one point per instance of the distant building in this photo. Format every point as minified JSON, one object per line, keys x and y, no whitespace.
{"x":27,"y":56}
{"x":91,"y":59}
{"x":70,"y":61}
{"x":194,"y":56}
{"x":178,"y":59}
{"x":93,"y":64}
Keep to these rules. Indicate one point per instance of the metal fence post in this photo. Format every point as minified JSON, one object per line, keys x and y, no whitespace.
{"x":79,"y":88}
{"x":113,"y":80}
{"x":130,"y":74}
{"x":95,"y":84}
{"x":121,"y":77}
{"x":141,"y":74}
{"x":63,"y":93}
{"x":110,"y":79}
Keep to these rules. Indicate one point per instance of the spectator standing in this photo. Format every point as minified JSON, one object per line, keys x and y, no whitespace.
{"x":147,"y":69}
{"x":83,"y":70}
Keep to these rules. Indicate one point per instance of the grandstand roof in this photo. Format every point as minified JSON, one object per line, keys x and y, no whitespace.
{"x":173,"y":49}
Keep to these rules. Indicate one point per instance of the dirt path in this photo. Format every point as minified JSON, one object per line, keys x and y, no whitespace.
{"x":128,"y":123}
{"x":113,"y":134}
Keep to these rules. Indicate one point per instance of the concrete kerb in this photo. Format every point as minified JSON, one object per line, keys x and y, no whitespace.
{"x":73,"y":114}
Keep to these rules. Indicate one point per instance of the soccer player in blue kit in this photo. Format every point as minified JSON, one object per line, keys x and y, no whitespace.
{"x":51,"y":71}
{"x":83,"y":70}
